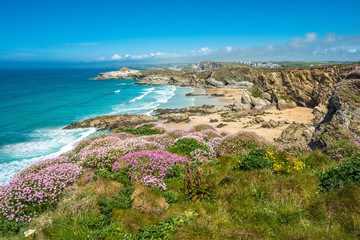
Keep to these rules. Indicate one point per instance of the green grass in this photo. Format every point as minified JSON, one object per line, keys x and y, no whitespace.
{"x":244,"y":204}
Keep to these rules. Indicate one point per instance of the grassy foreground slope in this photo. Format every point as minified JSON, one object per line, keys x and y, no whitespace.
{"x":186,"y":184}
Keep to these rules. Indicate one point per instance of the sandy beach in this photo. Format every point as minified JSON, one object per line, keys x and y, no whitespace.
{"x":298,"y":114}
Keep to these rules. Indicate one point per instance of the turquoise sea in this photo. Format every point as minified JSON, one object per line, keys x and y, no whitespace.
{"x":36,"y":104}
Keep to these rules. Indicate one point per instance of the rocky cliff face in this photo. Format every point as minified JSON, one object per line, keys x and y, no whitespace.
{"x":307,"y":87}
{"x":203,"y":66}
{"x":123,"y":73}
{"x":342,"y":120}
{"x":310,"y":86}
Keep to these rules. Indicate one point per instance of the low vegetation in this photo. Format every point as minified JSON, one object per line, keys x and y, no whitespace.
{"x":186,"y":184}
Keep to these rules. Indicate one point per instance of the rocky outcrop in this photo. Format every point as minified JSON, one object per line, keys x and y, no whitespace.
{"x":174,"y":118}
{"x":274,"y":124}
{"x":193,"y":110}
{"x":123,"y":73}
{"x":284,"y":88}
{"x":112,"y":122}
{"x":342,"y":120}
{"x":250,"y":102}
{"x":196,"y":67}
{"x":297,"y":132}
{"x":308,"y":87}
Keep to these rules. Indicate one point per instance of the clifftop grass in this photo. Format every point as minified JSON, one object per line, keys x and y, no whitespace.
{"x":228,"y":202}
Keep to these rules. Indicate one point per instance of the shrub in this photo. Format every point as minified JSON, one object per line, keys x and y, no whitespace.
{"x":170,"y":197}
{"x":120,"y":176}
{"x":187,"y":145}
{"x":294,"y":149}
{"x":341,"y":150}
{"x":122,"y":201}
{"x":102,"y":153}
{"x":241,"y":143}
{"x":197,"y":184}
{"x":282,"y":162}
{"x":348,"y":172}
{"x":142,"y":130}
{"x":256,"y":159}
{"x":161,"y":230}
{"x":150,"y":167}
{"x":29,"y":194}
{"x":255,"y":92}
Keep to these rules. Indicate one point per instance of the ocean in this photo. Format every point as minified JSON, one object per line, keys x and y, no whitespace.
{"x":35,"y":104}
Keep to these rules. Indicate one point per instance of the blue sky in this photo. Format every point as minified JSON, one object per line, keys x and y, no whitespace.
{"x":110,"y":32}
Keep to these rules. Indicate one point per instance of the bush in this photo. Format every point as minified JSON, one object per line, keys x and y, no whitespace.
{"x":35,"y":189}
{"x":256,"y":159}
{"x":187,"y":145}
{"x":241,"y":143}
{"x":341,"y":150}
{"x":170,"y":197}
{"x":120,"y":176}
{"x":102,"y":153}
{"x":348,"y":172}
{"x":140,"y":131}
{"x":161,"y":230}
{"x":282,"y":162}
{"x":122,"y":201}
{"x":150,"y":167}
{"x":255,"y":92}
{"x":196,"y":184}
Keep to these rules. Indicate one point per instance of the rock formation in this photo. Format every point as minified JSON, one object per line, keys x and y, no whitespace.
{"x":112,"y":122}
{"x":342,"y":120}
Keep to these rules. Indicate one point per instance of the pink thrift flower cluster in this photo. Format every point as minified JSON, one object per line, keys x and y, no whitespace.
{"x":36,"y":188}
{"x":150,"y":167}
{"x":294,"y":149}
{"x":103,"y":152}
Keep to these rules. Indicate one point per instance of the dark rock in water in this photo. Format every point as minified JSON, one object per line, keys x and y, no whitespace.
{"x":112,"y":122}
{"x":218,"y":95}
{"x":220,"y":125}
{"x":192,"y":94}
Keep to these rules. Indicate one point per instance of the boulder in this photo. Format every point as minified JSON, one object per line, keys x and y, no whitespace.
{"x":259,"y":103}
{"x":220,"y":125}
{"x":238,"y":106}
{"x":214,"y":83}
{"x":282,"y":104}
{"x":296,"y":132}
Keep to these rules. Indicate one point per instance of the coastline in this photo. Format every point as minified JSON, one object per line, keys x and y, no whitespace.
{"x":299,"y":114}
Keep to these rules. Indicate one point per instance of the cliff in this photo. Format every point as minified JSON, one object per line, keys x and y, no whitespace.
{"x":342,"y":120}
{"x":309,"y":86}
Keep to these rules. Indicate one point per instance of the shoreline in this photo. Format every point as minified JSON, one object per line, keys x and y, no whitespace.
{"x":299,"y":115}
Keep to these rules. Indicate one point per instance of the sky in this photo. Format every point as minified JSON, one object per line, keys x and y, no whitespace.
{"x":45,"y":33}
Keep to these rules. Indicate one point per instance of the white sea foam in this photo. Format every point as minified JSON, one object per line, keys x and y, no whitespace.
{"x":161,"y":96}
{"x":45,"y":144}
{"x":148,"y":90}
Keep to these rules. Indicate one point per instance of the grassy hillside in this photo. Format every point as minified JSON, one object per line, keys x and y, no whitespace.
{"x":148,"y":183}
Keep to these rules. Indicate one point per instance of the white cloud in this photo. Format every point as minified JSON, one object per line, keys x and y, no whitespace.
{"x":311,"y":37}
{"x":228,"y":49}
{"x":116,"y":57}
{"x":100,"y":59}
{"x":307,"y":47}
